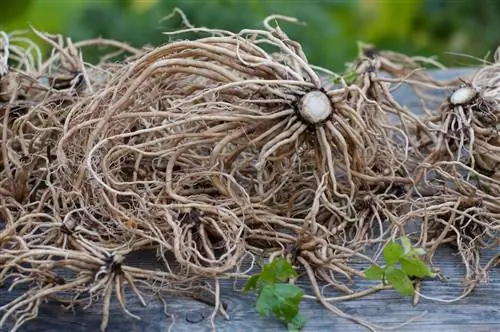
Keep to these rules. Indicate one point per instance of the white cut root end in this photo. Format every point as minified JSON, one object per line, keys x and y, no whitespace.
{"x":315,"y":107}
{"x":463,"y":95}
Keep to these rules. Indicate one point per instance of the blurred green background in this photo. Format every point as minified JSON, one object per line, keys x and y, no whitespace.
{"x":415,"y":27}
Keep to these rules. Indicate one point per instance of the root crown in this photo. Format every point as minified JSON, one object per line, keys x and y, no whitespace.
{"x":315,"y":107}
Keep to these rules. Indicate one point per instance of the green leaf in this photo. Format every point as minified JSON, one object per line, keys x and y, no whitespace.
{"x":415,"y":267}
{"x":415,"y":252}
{"x":296,"y":324}
{"x":251,"y":283}
{"x":400,"y":281}
{"x":392,"y":252}
{"x":405,"y":242}
{"x":266,"y":300}
{"x":374,"y":272}
{"x":289,"y":297}
{"x":279,"y":270}
{"x":281,"y":299}
{"x":335,"y":79}
{"x":350,"y":76}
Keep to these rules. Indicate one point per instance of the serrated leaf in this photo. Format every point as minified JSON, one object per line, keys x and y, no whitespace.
{"x":296,"y":324}
{"x":374,"y":272}
{"x":415,"y":267}
{"x":400,"y":281}
{"x":392,"y":252}
{"x":279,"y":270}
{"x":251,"y":283}
{"x":282,"y":300}
{"x":406,"y":244}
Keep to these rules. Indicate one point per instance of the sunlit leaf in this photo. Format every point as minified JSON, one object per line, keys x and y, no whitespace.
{"x":392,"y":252}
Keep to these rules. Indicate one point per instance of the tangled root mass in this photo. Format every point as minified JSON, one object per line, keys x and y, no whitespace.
{"x":216,"y":151}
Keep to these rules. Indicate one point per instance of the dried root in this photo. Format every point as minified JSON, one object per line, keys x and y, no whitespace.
{"x":216,"y":151}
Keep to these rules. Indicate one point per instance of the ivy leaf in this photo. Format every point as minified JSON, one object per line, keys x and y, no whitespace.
{"x":400,"y":281}
{"x":281,"y":299}
{"x":296,"y":324}
{"x":279,"y":270}
{"x":415,"y":267}
{"x":392,"y":252}
{"x":251,"y":283}
{"x":374,"y":272}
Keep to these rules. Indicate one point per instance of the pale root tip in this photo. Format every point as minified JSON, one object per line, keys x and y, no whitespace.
{"x":463,"y":95}
{"x":315,"y":107}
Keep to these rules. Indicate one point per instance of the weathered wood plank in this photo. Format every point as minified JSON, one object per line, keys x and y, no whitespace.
{"x":479,"y":312}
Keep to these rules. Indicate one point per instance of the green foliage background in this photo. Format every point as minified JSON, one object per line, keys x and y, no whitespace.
{"x":423,"y":27}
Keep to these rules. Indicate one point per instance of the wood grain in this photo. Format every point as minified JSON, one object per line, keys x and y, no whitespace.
{"x":479,"y":312}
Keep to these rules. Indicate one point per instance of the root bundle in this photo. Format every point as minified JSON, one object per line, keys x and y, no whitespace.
{"x":217,"y":151}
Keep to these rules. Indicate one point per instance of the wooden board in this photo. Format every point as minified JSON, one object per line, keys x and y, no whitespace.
{"x":479,"y":312}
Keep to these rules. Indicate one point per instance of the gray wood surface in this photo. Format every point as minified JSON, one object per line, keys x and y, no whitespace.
{"x":480,"y":311}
